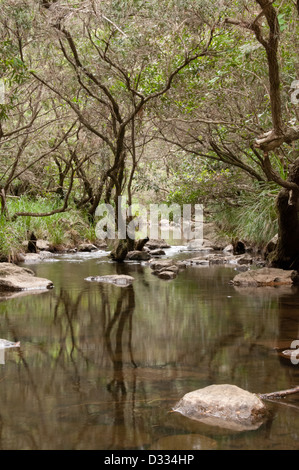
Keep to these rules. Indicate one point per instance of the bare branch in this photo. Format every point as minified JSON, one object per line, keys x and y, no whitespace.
{"x":280,"y":394}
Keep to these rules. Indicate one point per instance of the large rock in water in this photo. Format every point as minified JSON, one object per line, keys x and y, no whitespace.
{"x":266,"y":277}
{"x":16,"y":278}
{"x":224,"y":405}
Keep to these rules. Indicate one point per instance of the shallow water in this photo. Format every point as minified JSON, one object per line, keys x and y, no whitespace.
{"x":100,"y":366}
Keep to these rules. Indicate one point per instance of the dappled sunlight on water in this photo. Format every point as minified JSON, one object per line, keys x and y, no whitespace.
{"x":100,"y":367}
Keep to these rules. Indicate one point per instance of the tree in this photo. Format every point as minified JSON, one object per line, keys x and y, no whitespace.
{"x":235,"y":132}
{"x":108,"y":64}
{"x":27,"y":117}
{"x":113,"y":70}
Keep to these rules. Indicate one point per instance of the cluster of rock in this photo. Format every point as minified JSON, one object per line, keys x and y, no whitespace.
{"x":165,"y":269}
{"x":37,"y":250}
{"x":152,"y":248}
{"x":214,"y":251}
{"x":224,"y":259}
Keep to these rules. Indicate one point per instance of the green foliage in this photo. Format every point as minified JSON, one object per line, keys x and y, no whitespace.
{"x":255,"y":217}
{"x":12,"y":73}
{"x":10,"y":238}
{"x":201,"y":183}
{"x":127,"y":51}
{"x":58,"y":229}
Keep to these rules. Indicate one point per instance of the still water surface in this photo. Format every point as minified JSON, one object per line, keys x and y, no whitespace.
{"x":100,"y":366}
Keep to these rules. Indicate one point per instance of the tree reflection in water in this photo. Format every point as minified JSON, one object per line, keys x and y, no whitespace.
{"x":123,"y":314}
{"x":74,"y":383}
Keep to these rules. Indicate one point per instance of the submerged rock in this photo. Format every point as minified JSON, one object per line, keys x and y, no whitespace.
{"x":224,"y":405}
{"x":121,"y":280}
{"x":15,"y":278}
{"x":266,"y":277}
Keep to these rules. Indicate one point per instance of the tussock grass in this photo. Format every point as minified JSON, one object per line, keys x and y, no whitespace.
{"x":254,"y":219}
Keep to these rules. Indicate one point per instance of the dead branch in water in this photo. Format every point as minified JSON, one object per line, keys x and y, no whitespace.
{"x":280,"y":394}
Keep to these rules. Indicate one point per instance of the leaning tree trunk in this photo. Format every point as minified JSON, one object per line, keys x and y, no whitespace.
{"x":286,"y":254}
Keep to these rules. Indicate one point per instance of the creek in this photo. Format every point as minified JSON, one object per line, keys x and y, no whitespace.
{"x":101,"y":366}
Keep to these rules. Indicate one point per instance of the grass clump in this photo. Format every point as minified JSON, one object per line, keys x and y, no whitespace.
{"x":66,"y":228}
{"x":253,"y":219}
